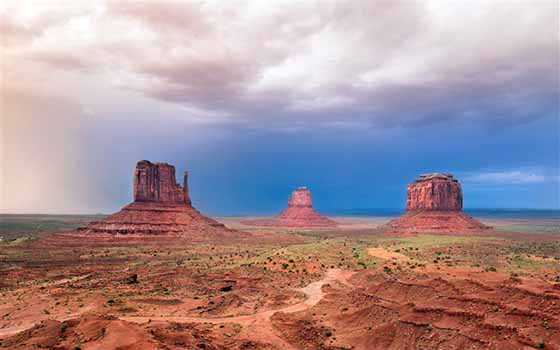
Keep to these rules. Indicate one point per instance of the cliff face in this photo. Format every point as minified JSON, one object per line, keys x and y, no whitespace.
{"x":300,"y":198}
{"x":435,"y":192}
{"x":434,"y":204}
{"x":161,"y":206}
{"x":155,"y":182}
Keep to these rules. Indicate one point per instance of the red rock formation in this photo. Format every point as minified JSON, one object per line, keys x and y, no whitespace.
{"x":161,"y":206}
{"x":434,"y":204}
{"x":156,"y":183}
{"x":300,"y":198}
{"x":434,"y":192}
{"x":299,"y":213}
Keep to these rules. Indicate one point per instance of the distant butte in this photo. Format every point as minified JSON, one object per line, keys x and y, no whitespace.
{"x":160,"y":206}
{"x":434,"y":204}
{"x":299,"y":213}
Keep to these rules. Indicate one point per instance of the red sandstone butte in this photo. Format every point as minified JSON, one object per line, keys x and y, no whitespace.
{"x":434,"y":204}
{"x":156,"y":183}
{"x":160,"y":206}
{"x":299,"y":213}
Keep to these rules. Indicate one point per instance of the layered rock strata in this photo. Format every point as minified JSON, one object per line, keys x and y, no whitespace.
{"x":299,"y":213}
{"x":434,"y":204}
{"x":160,"y":206}
{"x":435,"y":192}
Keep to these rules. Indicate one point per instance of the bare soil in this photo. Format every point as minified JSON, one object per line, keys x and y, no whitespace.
{"x":352,"y":287}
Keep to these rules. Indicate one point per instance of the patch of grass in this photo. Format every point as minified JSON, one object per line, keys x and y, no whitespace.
{"x":426,"y":241}
{"x":13,"y":226}
{"x":364,"y":259}
{"x":523,"y":262}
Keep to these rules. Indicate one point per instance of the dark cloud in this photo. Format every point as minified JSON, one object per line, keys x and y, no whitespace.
{"x":400,"y":63}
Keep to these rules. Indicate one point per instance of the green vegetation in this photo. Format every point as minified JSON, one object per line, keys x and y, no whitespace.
{"x":431,"y":241}
{"x":14,"y":226}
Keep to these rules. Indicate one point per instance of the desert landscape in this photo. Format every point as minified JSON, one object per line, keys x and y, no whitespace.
{"x":279,"y":175}
{"x":161,"y":275}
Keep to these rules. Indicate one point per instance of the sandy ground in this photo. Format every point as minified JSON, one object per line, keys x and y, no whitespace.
{"x":352,"y":287}
{"x":385,"y":254}
{"x":260,"y":321}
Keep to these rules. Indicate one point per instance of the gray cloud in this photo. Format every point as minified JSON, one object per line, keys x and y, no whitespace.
{"x":384,"y":64}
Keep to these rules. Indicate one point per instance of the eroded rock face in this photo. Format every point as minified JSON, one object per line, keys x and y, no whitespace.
{"x":434,"y":204}
{"x":435,"y":191}
{"x":300,"y":198}
{"x":161,"y":206}
{"x":299,"y":213}
{"x":155,"y":182}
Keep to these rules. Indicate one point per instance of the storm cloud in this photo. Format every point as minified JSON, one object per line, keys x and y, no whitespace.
{"x":399,"y":63}
{"x":461,"y":86}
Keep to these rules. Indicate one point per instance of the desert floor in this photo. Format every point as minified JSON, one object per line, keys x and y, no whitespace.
{"x":351,"y":287}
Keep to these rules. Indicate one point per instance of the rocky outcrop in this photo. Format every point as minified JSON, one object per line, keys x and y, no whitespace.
{"x":160,"y":206}
{"x":434,"y":204}
{"x":300,"y":198}
{"x":299,"y":213}
{"x":155,"y":182}
{"x":435,"y":192}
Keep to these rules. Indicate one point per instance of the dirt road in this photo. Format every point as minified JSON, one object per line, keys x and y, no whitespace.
{"x":255,"y":325}
{"x":259,"y":323}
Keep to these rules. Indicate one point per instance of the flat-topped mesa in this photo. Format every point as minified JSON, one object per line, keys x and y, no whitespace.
{"x":155,"y":182}
{"x":435,"y":191}
{"x":300,"y":198}
{"x":434,"y":204}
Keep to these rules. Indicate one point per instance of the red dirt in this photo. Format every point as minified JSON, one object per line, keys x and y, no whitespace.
{"x":435,"y":221}
{"x":280,"y":291}
{"x":133,"y":332}
{"x":430,"y":311}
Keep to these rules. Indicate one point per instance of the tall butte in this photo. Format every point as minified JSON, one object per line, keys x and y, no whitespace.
{"x":434,"y":203}
{"x":160,"y":206}
{"x":299,"y":213}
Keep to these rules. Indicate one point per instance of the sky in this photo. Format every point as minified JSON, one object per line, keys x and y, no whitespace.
{"x":353,"y":99}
